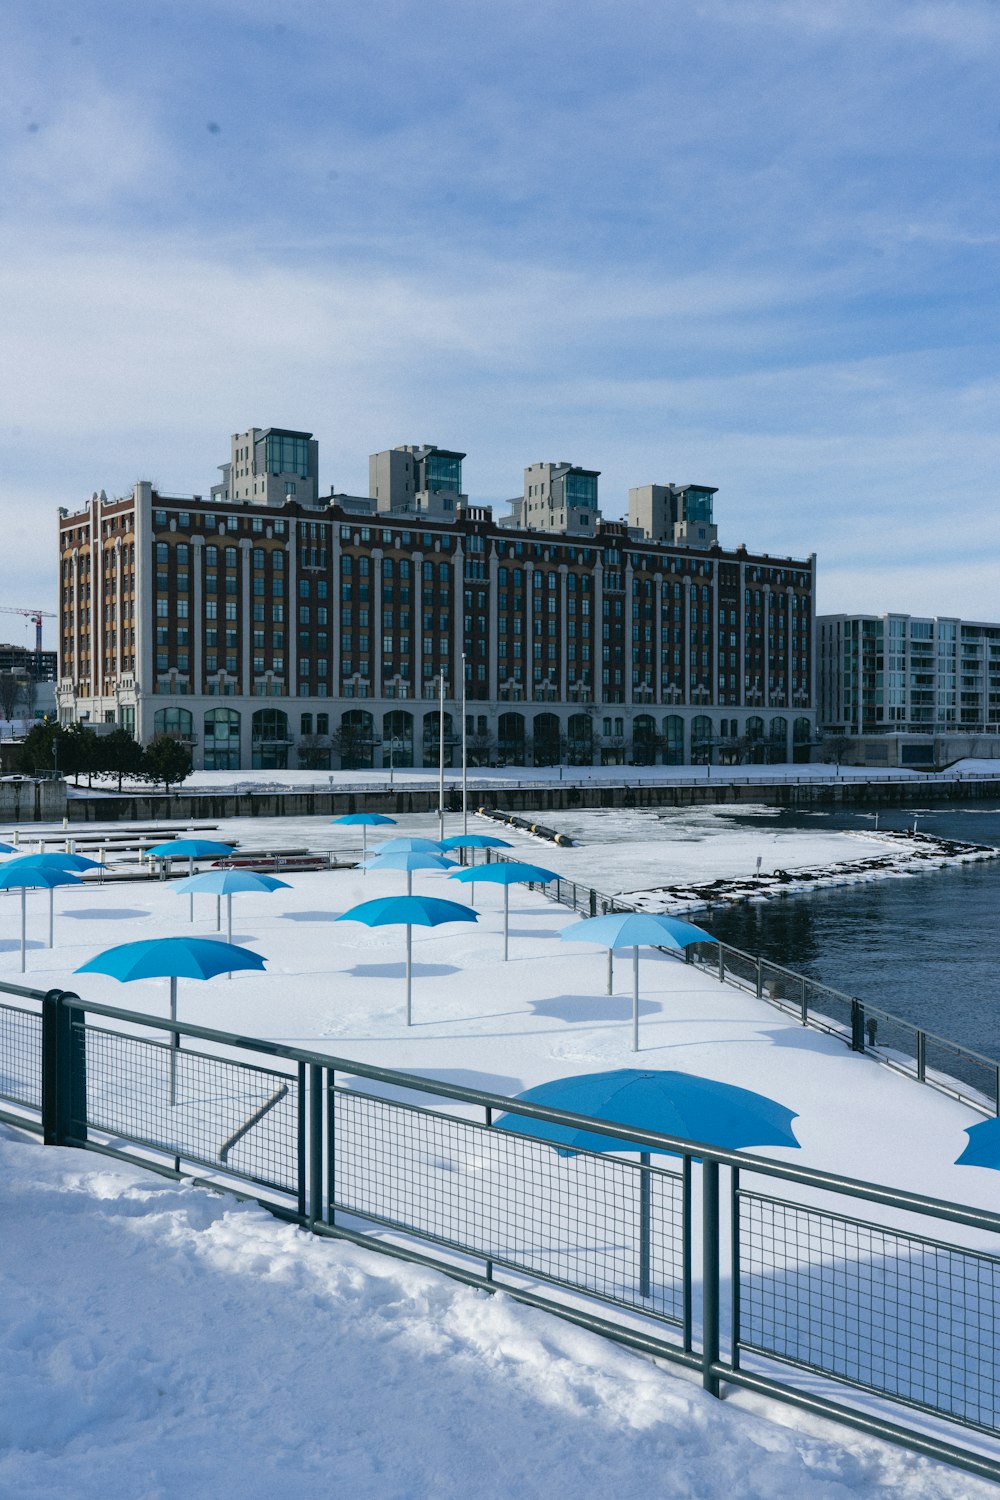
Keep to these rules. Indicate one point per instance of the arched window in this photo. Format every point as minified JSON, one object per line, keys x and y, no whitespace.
{"x":545,"y":734}
{"x":222,"y":739}
{"x":778,"y":747}
{"x":355,"y":740}
{"x":644,"y":740}
{"x":510,"y":739}
{"x":177,"y":722}
{"x":673,"y":736}
{"x":580,"y":740}
{"x":269,"y":740}
{"x":432,"y":739}
{"x":397,"y":739}
{"x":701,"y":740}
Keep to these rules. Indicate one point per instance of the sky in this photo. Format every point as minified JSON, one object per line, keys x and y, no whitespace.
{"x":750,"y":245}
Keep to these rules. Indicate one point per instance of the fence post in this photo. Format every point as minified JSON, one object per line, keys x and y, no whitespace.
{"x":593,"y":902}
{"x":722,"y":964}
{"x":803,"y":1002}
{"x":760,"y":977}
{"x":857,"y":1026}
{"x":64,"y":1073}
{"x":710,"y":1275}
{"x":921,"y":1057}
{"x":315,"y":1143}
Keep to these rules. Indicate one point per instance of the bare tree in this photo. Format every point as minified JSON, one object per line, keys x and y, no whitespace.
{"x":29,"y":696}
{"x":481,"y":748}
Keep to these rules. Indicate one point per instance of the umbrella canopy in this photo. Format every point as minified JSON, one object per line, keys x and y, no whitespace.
{"x":364,"y":821}
{"x":983,"y":1149}
{"x":7,"y":849}
{"x":17,"y":875}
{"x":191,"y":849}
{"x":631,"y":929}
{"x":680,"y":1104}
{"x":506,"y":873}
{"x":408,"y":911}
{"x":72,"y":862}
{"x":229,"y":883}
{"x":475,"y":841}
{"x":402,"y":859}
{"x":173,"y":958}
{"x":635,"y":930}
{"x":409,"y":846}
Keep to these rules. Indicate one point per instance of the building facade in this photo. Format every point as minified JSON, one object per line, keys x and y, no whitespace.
{"x":275,"y":629}
{"x":912,"y":680}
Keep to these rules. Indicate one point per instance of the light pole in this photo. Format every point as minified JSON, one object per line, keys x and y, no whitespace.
{"x":465,"y":758}
{"x":440,"y":755}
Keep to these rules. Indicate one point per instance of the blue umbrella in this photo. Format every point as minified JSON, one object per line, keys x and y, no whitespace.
{"x":507,"y":873}
{"x":192,"y":849}
{"x":71,"y":864}
{"x":408,"y":911}
{"x":364,"y":821}
{"x":14,"y":876}
{"x":983,"y":1149}
{"x":401,"y":859}
{"x":7,"y":849}
{"x":475,"y":841}
{"x":410,"y":846}
{"x":678,"y":1104}
{"x":635,"y":930}
{"x":173,"y":958}
{"x":227,"y":883}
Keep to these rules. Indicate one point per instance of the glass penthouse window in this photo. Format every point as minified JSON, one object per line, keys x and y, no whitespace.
{"x":697,"y":505}
{"x":287,"y":455}
{"x":443,"y":473}
{"x":581,"y":489}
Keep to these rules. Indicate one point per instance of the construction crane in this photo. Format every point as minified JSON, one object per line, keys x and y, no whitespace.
{"x":38,"y":615}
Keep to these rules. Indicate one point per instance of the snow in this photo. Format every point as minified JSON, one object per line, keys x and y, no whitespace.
{"x":185,"y":1344}
{"x":179,"y":1344}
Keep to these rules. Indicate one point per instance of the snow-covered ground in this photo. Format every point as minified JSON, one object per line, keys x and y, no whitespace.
{"x":163,"y":1343}
{"x":158,"y":1341}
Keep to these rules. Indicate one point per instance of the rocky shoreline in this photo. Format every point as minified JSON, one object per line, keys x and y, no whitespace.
{"x":908,"y":853}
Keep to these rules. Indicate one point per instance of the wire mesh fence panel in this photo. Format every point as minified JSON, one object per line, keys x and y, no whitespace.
{"x":892,"y":1040}
{"x":878,"y":1308}
{"x":584,"y":1221}
{"x":949,"y":1066}
{"x":21,"y":1056}
{"x":741,"y":969}
{"x":827,"y":1009}
{"x":236,"y":1117}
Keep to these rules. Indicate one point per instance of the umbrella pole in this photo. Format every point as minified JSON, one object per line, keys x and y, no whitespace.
{"x":506,"y":917}
{"x":635,"y":999}
{"x":409,"y":971}
{"x":51,"y":902}
{"x":229,"y":923}
{"x":645,"y":1184}
{"x":409,"y":882}
{"x":175,"y":1040}
{"x":191,"y":896}
{"x":218,"y":913}
{"x":23,"y":924}
{"x":611,"y":971}
{"x":364,"y":847}
{"x":472,"y":882}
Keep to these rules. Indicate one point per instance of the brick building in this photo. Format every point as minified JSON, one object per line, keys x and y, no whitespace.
{"x":271,"y":627}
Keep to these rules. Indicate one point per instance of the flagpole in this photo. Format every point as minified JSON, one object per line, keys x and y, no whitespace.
{"x":440,"y":755}
{"x":465,"y":758}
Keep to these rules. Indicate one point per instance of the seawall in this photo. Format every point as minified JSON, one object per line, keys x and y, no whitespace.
{"x":556,"y":797}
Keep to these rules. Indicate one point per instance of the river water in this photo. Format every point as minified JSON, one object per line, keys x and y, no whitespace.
{"x":926,"y":947}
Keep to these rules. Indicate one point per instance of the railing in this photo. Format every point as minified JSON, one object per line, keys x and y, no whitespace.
{"x":964,"y":1074}
{"x":817,"y":1290}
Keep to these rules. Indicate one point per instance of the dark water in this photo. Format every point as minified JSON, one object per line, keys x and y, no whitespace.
{"x":926,"y":947}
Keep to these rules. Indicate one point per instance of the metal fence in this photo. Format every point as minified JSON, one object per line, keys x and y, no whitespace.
{"x":943,"y":1064}
{"x":860,"y":1302}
